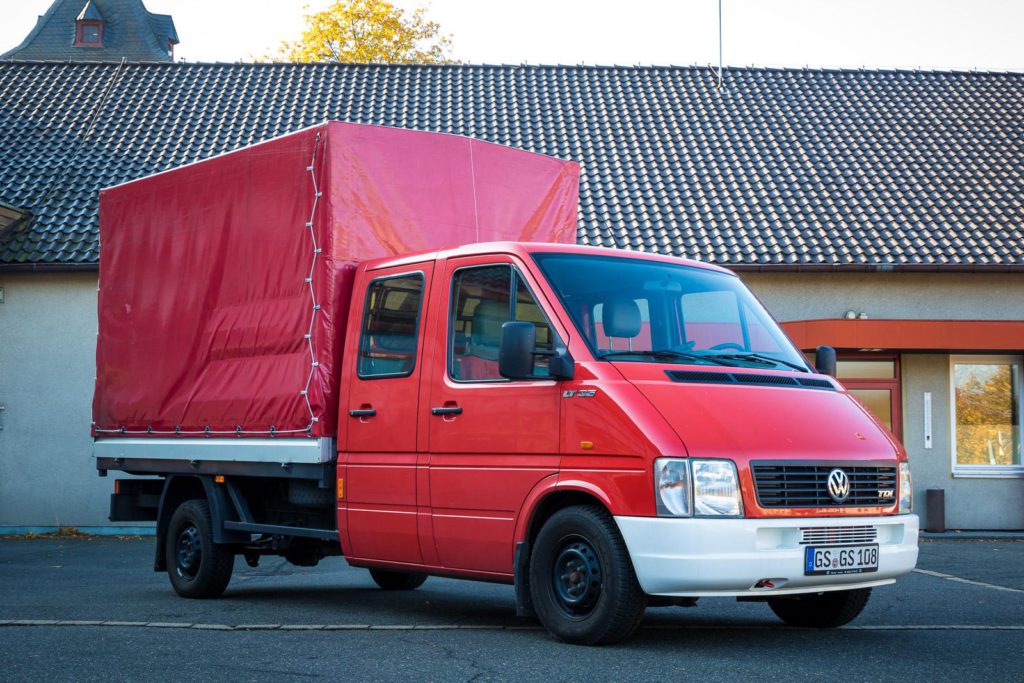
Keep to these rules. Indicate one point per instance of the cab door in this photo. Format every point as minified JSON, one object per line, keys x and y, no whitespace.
{"x":380,"y":473}
{"x":491,"y":440}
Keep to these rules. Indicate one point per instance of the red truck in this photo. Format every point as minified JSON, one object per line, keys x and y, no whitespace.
{"x":384,"y":344}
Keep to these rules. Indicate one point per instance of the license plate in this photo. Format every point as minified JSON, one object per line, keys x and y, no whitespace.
{"x":840,"y":559}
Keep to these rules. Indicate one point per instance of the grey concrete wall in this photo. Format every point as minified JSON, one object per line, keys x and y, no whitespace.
{"x":936,"y":296}
{"x":47,"y":365}
{"x":970,"y":503}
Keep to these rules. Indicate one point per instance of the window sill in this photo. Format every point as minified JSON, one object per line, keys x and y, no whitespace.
{"x":989,"y":472}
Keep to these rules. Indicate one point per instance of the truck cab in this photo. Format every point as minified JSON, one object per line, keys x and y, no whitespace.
{"x":605,"y":428}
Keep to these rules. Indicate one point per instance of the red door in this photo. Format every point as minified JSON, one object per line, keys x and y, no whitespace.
{"x":380,"y":473}
{"x":490,"y":439}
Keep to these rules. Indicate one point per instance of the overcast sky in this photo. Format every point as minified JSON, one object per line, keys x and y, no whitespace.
{"x":930,"y":34}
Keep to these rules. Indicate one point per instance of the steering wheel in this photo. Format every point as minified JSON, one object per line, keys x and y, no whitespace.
{"x":726,"y":345}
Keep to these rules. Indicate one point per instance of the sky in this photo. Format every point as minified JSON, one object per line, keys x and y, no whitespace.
{"x":880,"y":34}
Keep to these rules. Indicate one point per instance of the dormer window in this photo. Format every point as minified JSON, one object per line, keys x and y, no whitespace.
{"x":90,"y":34}
{"x":89,"y":26}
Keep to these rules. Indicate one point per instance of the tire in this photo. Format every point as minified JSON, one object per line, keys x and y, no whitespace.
{"x":397,"y":581}
{"x":582,"y":581}
{"x":821,"y":610}
{"x":197,"y":567}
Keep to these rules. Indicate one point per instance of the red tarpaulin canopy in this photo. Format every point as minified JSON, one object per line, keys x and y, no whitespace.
{"x":225,"y":284}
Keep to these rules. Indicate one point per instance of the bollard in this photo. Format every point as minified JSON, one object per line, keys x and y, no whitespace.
{"x":935,"y":511}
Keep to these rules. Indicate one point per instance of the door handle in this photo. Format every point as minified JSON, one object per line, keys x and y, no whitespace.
{"x":446,"y":410}
{"x":362,"y":412}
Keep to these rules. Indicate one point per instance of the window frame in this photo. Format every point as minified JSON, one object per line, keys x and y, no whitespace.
{"x":80,"y":33}
{"x":516,"y":279}
{"x":893,"y":384}
{"x":986,"y":471}
{"x":366,"y":313}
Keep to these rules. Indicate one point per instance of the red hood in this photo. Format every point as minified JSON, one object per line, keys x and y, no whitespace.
{"x":760,"y":422}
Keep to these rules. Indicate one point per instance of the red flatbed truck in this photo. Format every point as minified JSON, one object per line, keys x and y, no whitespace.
{"x":602,"y":429}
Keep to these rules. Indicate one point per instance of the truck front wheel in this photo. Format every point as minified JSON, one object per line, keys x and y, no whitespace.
{"x":198,"y":568}
{"x":821,"y":610}
{"x":582,"y":581}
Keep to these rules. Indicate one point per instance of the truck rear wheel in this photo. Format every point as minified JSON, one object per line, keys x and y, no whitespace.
{"x":821,"y":610}
{"x":582,"y":581}
{"x":397,"y":581}
{"x":197,"y":567}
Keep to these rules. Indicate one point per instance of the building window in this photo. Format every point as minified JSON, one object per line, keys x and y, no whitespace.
{"x":89,"y":34}
{"x":985,"y":415}
{"x":875,"y":382}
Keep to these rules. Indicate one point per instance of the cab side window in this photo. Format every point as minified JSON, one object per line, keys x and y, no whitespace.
{"x":483,"y":299}
{"x":387,"y":344}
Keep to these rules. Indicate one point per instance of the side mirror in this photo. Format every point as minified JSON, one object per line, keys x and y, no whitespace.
{"x":825,"y":360}
{"x":515,"y":349}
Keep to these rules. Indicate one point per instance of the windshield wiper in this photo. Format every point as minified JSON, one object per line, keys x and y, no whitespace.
{"x":669,"y":353}
{"x":759,"y":357}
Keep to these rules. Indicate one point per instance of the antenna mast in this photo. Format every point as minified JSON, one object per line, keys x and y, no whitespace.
{"x":719,"y":44}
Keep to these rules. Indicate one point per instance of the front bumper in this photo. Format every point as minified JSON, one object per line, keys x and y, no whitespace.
{"x":728,"y":557}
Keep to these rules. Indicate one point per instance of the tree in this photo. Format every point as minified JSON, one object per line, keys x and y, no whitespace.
{"x":365,"y":31}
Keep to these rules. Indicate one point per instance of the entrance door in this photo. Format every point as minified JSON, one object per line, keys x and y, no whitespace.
{"x":380,"y":478}
{"x":490,"y":439}
{"x":874,"y":380}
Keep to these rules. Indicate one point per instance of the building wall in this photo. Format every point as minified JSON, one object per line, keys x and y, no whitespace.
{"x":47,"y":365}
{"x":932,"y":296}
{"x":971,"y":503}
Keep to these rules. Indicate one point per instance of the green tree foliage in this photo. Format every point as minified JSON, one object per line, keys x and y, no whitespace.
{"x":368,"y":31}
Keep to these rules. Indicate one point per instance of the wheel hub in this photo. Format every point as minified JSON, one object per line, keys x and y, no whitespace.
{"x":189,"y":552}
{"x":577,"y":578}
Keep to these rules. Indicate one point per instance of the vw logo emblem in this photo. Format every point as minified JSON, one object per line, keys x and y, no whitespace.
{"x":838,"y":485}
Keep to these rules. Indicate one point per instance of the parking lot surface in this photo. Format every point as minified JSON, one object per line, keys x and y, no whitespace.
{"x":93,"y":609}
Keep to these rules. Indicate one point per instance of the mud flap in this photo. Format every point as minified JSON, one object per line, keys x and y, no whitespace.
{"x":524,"y":601}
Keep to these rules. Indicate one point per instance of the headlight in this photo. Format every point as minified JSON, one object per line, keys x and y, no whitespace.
{"x":716,"y":489}
{"x":906,"y":489}
{"x":706,"y":488}
{"x":672,"y":487}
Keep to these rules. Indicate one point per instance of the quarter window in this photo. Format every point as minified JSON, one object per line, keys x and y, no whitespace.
{"x":483,"y":299}
{"x":986,"y":409}
{"x":387,"y":345}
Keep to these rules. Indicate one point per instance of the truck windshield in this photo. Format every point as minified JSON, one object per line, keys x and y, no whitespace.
{"x":645,"y":311}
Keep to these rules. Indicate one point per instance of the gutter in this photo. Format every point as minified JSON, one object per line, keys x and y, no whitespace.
{"x":49,"y":267}
{"x":873,"y":268}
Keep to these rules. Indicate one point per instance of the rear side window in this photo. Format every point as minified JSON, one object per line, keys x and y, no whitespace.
{"x":387,"y":345}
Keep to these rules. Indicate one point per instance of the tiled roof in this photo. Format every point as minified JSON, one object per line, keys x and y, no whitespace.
{"x":782,"y":167}
{"x":130,"y":31}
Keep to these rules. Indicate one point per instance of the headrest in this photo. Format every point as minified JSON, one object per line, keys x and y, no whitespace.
{"x":488,"y":317}
{"x":621,"y":317}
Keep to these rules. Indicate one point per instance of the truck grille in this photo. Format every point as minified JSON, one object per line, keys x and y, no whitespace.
{"x":805,"y":484}
{"x":838,"y":535}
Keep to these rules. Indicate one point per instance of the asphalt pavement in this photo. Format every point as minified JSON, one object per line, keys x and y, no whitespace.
{"x":93,"y":609}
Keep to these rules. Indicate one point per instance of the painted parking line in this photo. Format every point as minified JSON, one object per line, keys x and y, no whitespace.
{"x":982,"y":584}
{"x":475,"y":627}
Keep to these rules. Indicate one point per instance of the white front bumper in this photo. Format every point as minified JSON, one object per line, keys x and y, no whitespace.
{"x":727,"y":557}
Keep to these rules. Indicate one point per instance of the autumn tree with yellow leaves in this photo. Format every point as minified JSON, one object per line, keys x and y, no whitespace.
{"x":368,"y":31}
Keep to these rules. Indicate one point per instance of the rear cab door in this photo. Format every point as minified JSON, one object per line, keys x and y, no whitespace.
{"x":378,"y":508}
